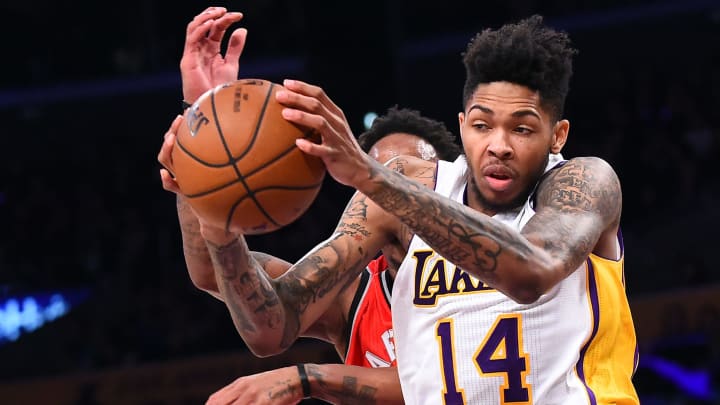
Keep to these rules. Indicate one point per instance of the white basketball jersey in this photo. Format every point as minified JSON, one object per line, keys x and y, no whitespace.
{"x":461,"y":342}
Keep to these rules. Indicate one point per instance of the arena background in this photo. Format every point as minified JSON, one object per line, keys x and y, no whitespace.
{"x":95,"y":303}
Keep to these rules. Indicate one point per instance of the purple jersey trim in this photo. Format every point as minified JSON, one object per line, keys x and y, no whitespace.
{"x":592,"y":287}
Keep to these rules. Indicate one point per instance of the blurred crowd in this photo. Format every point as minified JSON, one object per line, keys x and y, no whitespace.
{"x":81,"y":203}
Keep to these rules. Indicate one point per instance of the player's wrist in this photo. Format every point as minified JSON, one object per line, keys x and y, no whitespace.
{"x":368,"y":181}
{"x":216,"y":236}
{"x":305,"y":386}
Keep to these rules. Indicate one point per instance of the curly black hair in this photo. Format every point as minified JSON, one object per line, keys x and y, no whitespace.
{"x":527,"y":53}
{"x":411,"y":122}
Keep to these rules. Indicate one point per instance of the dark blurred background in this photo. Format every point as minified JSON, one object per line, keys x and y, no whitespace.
{"x":95,"y":303}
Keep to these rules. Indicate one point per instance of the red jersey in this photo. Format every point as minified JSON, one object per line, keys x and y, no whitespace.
{"x":371,"y":342}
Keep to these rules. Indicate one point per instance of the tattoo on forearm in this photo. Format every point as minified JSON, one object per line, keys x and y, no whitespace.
{"x":448,"y":228}
{"x":332,"y":266}
{"x":248,"y":284}
{"x":357,"y":395}
{"x":193,"y":242}
{"x":282,"y":389}
{"x":349,"y":394}
{"x":355,"y":230}
{"x":427,"y":173}
{"x":249,"y":292}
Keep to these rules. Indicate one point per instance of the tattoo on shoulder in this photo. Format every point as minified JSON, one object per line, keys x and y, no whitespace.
{"x":399,"y":165}
{"x":426,"y":174}
{"x":583,"y":185}
{"x":420,"y":170}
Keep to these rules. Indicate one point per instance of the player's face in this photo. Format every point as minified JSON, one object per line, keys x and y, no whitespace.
{"x":400,"y":143}
{"x":507,"y":137}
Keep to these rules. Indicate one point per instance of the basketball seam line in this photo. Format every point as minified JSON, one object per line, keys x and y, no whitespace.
{"x":222,"y":186}
{"x":197,"y":159}
{"x":249,"y":192}
{"x":213,"y":190}
{"x":298,"y":188}
{"x":271,"y":161}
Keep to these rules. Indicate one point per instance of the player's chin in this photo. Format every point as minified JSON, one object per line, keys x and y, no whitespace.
{"x":501,"y":200}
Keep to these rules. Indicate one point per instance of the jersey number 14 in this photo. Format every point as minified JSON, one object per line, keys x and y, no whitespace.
{"x":500,"y":354}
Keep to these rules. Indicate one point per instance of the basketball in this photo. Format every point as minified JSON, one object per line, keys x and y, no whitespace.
{"x":236,"y":162}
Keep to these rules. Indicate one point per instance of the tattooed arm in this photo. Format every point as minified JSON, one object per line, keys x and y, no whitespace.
{"x":576,"y":205}
{"x":271,"y":314}
{"x":333,"y":383}
{"x":197,"y":257}
{"x":342,"y":384}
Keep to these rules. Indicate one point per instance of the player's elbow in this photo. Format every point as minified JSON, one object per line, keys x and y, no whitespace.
{"x":204,"y":281}
{"x":525,"y":294}
{"x":533,"y":284}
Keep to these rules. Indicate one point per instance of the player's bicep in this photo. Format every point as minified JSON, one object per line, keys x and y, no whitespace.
{"x":574,"y":205}
{"x":313,"y":283}
{"x":368,"y":225}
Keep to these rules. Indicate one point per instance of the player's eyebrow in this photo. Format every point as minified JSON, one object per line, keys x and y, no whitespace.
{"x":482,"y":108}
{"x":515,"y":114}
{"x":524,"y":113}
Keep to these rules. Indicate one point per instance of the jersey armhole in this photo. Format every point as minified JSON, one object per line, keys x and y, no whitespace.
{"x":387,"y":285}
{"x":352,"y":313}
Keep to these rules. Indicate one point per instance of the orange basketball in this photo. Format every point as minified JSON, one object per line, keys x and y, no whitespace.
{"x":236,"y":161}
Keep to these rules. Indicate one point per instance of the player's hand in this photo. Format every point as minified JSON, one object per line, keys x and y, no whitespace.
{"x":278,"y":387}
{"x":309,"y":106}
{"x":165,"y":157}
{"x":202,"y":66}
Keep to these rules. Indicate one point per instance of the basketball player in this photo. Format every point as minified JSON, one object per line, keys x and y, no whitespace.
{"x":511,"y":290}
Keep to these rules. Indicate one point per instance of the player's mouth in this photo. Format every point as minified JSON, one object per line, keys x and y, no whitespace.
{"x":499,"y":177}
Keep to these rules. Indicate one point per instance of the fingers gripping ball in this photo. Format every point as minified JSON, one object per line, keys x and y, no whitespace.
{"x":236,"y":161}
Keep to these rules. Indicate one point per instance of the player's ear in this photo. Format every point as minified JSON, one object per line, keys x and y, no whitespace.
{"x":559,"y":137}
{"x":461,"y":121}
